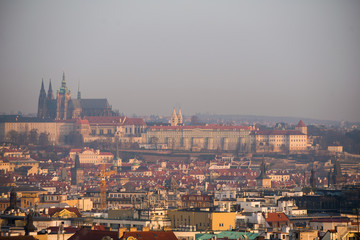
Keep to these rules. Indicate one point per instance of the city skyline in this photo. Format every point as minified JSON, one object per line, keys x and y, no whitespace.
{"x":270,"y":59}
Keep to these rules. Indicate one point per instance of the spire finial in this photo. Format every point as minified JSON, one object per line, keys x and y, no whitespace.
{"x":63,"y":88}
{"x":50,"y":91}
{"x":79,"y":94}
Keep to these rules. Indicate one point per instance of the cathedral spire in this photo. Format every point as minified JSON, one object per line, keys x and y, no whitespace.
{"x":79,"y":93}
{"x":42,"y":85}
{"x":174,"y":119}
{"x":63,"y":88}
{"x":42,"y":102}
{"x":180,"y":117}
{"x":50,"y":95}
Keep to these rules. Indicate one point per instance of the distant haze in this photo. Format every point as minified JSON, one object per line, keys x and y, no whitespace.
{"x":275,"y":58}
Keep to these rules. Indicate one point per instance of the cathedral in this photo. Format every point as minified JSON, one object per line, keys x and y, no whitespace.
{"x":64,"y":107}
{"x":176,"y":119}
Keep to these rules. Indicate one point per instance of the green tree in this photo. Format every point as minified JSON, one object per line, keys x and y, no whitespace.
{"x":44,"y":139}
{"x":34,"y":136}
{"x":75,"y":139}
{"x":12,"y":136}
{"x":23,"y":138}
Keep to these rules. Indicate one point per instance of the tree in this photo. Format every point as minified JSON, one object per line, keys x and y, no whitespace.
{"x":75,"y":139}
{"x":44,"y":139}
{"x":271,"y":147}
{"x":12,"y":136}
{"x":195,"y":121}
{"x":238,"y":149}
{"x":34,"y":136}
{"x":283,"y":148}
{"x":23,"y":138}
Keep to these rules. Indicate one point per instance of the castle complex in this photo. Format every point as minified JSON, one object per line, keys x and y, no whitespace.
{"x":94,"y":119}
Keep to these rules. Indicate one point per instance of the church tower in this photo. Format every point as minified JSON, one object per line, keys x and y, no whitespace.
{"x":174,"y":119}
{"x":50,"y":95}
{"x":50,"y":103}
{"x":79,"y":93}
{"x":62,"y":101}
{"x":313,"y":179}
{"x":77,"y":172}
{"x":263,"y":180}
{"x":42,"y":102}
{"x":301,"y":127}
{"x":180,"y":118}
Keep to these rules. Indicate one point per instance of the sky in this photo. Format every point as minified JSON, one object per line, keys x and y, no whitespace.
{"x":271,"y":58}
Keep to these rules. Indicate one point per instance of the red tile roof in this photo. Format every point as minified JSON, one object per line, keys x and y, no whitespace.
{"x":87,"y":234}
{"x":277,"y":132}
{"x":96,"y":119}
{"x":209,"y":127}
{"x":66,"y":229}
{"x":301,"y":124}
{"x":134,"y":121}
{"x":82,"y":121}
{"x":151,"y":235}
{"x":276,"y":217}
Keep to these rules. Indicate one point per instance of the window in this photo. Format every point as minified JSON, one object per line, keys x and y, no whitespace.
{"x":221,"y":224}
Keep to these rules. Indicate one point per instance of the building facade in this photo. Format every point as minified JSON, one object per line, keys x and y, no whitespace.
{"x":195,"y":220}
{"x":197,"y":138}
{"x":91,"y":156}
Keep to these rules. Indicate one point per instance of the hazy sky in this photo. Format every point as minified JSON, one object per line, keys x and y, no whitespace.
{"x":277,"y":58}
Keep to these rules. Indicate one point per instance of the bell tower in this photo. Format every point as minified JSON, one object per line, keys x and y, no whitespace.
{"x":42,"y":102}
{"x":62,"y":101}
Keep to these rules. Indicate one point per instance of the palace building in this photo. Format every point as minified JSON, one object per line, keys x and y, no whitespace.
{"x":280,"y":140}
{"x":197,"y":138}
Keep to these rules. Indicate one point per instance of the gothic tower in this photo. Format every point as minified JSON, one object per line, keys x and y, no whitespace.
{"x":263,"y":180}
{"x":79,"y":93}
{"x":313,"y":179}
{"x":50,"y":95}
{"x":50,"y":103}
{"x":180,"y":118}
{"x":174,"y":119}
{"x":42,"y":102}
{"x":63,"y":98}
{"x":77,"y":172}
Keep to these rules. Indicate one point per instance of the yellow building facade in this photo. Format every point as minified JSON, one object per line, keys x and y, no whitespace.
{"x":56,"y":130}
{"x":278,"y":141}
{"x":91,"y":156}
{"x":202,"y":220}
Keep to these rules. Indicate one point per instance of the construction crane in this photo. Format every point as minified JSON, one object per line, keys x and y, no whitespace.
{"x":103,"y":175}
